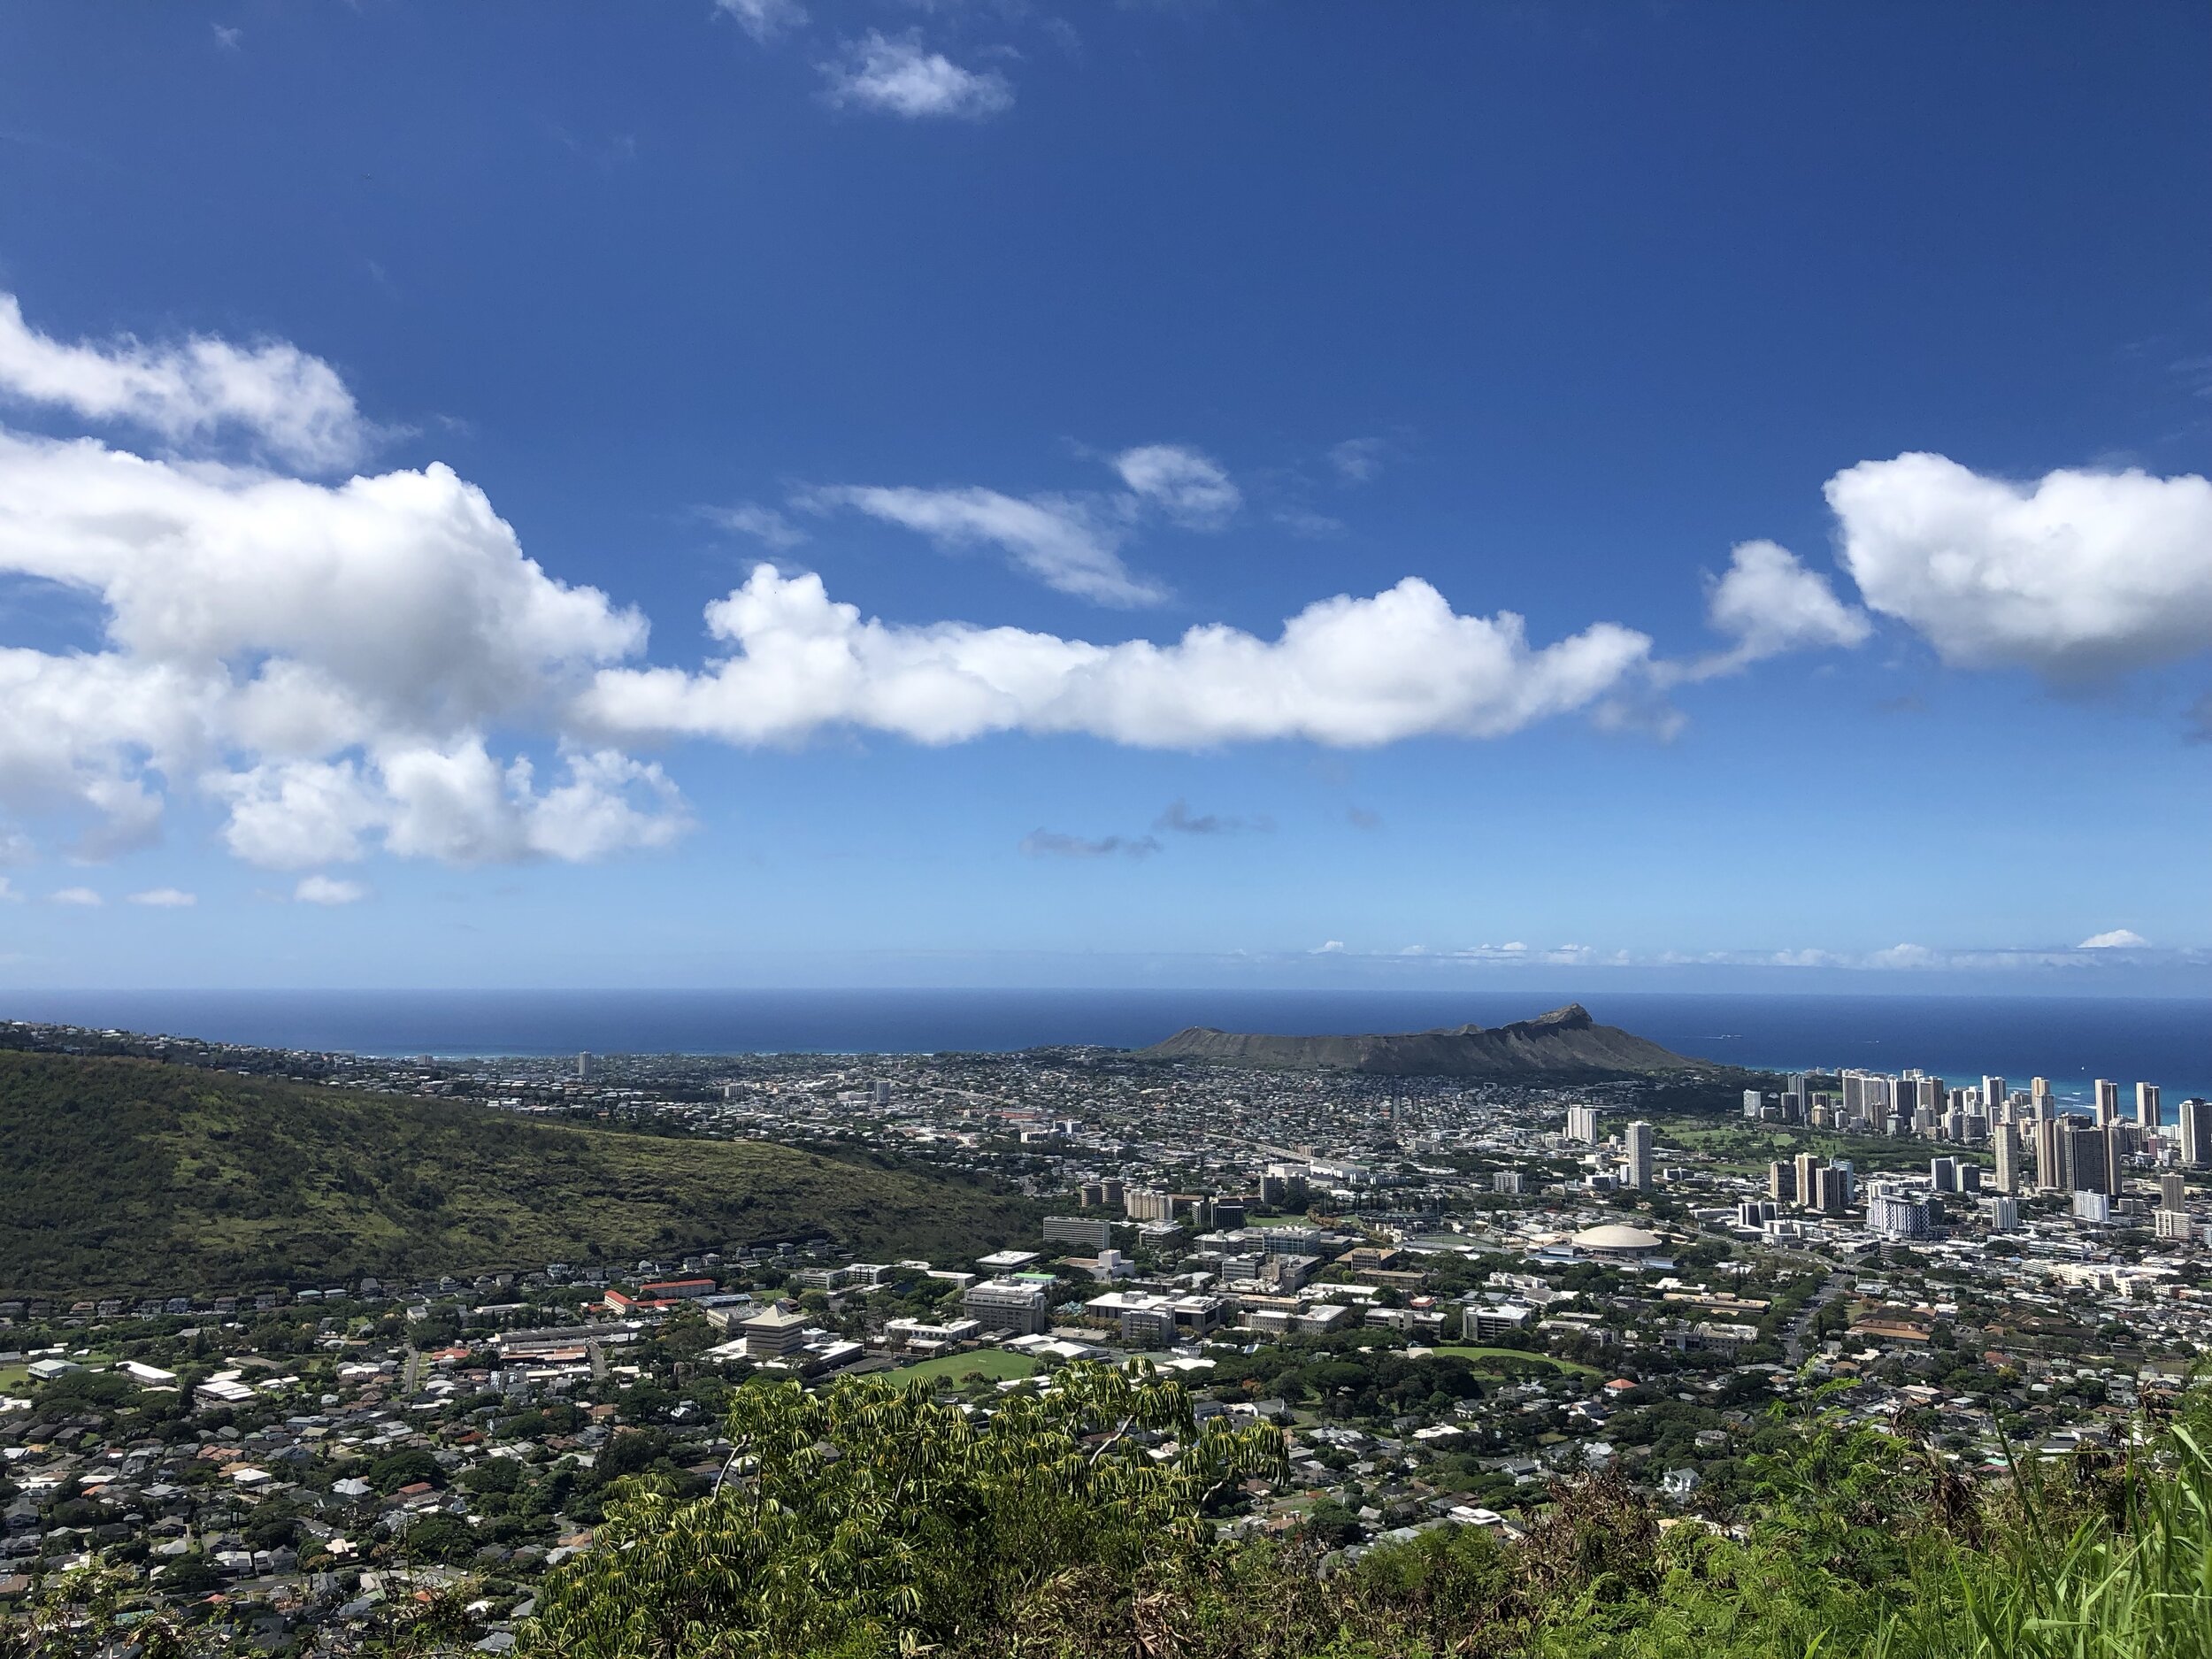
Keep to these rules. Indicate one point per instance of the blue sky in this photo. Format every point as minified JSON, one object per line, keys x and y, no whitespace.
{"x":389,"y":390}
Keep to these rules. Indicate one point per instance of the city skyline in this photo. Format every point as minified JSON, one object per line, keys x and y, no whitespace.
{"x":723,"y":495}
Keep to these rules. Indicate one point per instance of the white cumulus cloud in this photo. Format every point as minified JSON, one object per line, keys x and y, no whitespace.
{"x":464,"y":806}
{"x":2118,"y":939}
{"x":1902,"y":956}
{"x":329,"y":890}
{"x":400,"y":600}
{"x":286,"y":815}
{"x":900,"y":76}
{"x":2075,"y":574}
{"x":309,"y":654}
{"x":1347,"y":671}
{"x":84,"y":897}
{"x":339,"y":665}
{"x":293,"y":407}
{"x":455,"y":802}
{"x":1770,"y":602}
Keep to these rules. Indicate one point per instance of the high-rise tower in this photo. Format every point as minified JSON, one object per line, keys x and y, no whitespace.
{"x":1639,"y":1155}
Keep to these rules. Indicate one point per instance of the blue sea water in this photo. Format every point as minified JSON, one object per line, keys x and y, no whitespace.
{"x":2070,"y":1041}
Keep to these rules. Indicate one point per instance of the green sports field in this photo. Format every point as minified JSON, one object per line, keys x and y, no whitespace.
{"x":992,"y":1363}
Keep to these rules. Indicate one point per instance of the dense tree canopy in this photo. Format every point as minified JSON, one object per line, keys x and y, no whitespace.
{"x":870,"y":1521}
{"x":1069,"y":1521}
{"x":871,"y":1518}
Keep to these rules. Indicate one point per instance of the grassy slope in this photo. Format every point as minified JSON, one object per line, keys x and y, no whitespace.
{"x":1468,"y":1351}
{"x":124,"y":1175}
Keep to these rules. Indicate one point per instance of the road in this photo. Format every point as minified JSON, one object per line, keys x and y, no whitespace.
{"x":410,"y":1374}
{"x":1794,"y":1340}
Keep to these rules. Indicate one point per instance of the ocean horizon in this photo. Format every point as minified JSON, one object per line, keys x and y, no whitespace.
{"x":2072,"y":1041}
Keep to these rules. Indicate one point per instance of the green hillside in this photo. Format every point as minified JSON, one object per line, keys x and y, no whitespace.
{"x":121,"y":1176}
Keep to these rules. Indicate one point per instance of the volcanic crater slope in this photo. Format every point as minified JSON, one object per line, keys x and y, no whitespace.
{"x":1565,"y":1043}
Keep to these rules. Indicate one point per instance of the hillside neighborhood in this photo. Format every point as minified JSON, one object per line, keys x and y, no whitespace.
{"x":1448,"y":1297}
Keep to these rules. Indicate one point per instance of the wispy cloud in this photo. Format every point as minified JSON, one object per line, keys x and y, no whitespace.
{"x":165,"y":898}
{"x":2197,"y":719}
{"x":2120,"y":952}
{"x":1303,"y":521}
{"x":1062,"y":540}
{"x":1190,"y":487}
{"x":763,"y":524}
{"x":84,"y":897}
{"x":1070,"y":541}
{"x":1181,"y":820}
{"x":1356,"y":460}
{"x":764,"y":19}
{"x":1043,"y":843}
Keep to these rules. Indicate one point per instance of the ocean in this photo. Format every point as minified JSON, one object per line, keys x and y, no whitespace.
{"x":2070,"y":1041}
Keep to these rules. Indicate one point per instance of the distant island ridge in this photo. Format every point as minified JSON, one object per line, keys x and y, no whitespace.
{"x":1565,"y":1043}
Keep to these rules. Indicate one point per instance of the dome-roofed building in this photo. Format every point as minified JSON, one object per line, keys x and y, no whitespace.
{"x":1611,"y":1242}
